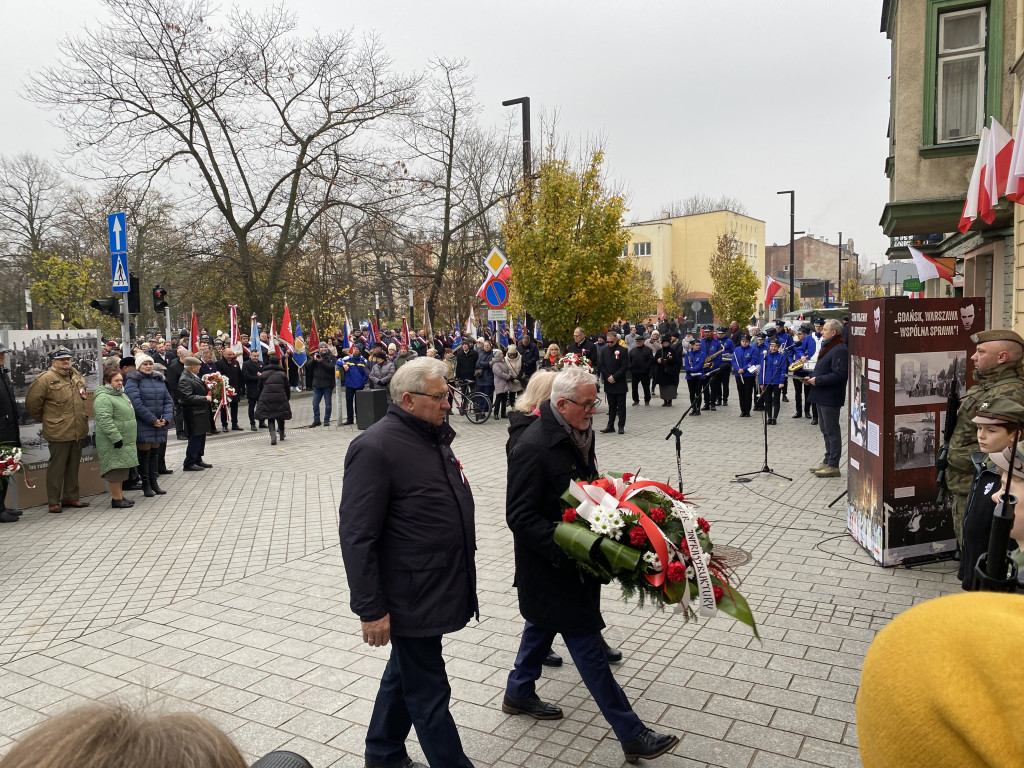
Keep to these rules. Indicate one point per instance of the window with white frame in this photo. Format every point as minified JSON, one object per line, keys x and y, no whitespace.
{"x":960,"y":91}
{"x":641,"y":249}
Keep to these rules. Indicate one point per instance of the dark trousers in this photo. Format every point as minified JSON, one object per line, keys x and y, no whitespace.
{"x":616,"y":407}
{"x":5,"y":481}
{"x":62,"y":471}
{"x":723,"y":375}
{"x":588,"y":655}
{"x":252,"y":410}
{"x":327,"y":395}
{"x":772,"y":400}
{"x":162,"y":452}
{"x":195,"y":449}
{"x":714,"y":395}
{"x":745,"y":391}
{"x":641,"y":379}
{"x":414,"y":692}
{"x":502,"y":402}
{"x":179,"y":420}
{"x":350,"y":404}
{"x":828,"y":423}
{"x":233,"y":407}
{"x":695,"y":387}
{"x":798,"y":395}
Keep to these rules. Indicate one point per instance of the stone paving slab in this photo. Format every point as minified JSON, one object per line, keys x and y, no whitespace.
{"x":228,"y":597}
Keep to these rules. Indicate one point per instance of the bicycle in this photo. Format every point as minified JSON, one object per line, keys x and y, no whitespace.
{"x":475,"y":406}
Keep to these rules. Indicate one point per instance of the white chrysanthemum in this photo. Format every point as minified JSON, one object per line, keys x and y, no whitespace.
{"x":690,"y":573}
{"x":603,"y":527}
{"x":652,"y":559}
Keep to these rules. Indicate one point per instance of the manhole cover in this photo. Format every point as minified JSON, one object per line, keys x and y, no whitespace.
{"x":733,"y":556}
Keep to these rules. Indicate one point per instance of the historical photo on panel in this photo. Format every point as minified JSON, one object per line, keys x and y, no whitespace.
{"x":925,"y":378}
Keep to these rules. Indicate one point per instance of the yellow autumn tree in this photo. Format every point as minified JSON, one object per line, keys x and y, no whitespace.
{"x":62,"y":284}
{"x":565,"y":247}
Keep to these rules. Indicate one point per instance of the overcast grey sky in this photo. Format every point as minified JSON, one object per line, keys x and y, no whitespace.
{"x":735,"y":97}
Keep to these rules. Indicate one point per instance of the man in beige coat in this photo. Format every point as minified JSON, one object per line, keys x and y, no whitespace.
{"x":56,"y":399}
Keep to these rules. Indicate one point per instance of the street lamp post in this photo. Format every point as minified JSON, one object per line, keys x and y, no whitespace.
{"x":527,"y":158}
{"x":792,"y":228}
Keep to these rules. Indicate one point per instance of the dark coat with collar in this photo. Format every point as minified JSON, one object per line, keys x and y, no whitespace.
{"x":232,"y":371}
{"x":407,"y":528}
{"x":9,"y":432}
{"x":830,"y":374}
{"x":553,"y":592}
{"x":192,"y":392}
{"x":614,"y":361}
{"x":251,"y":371}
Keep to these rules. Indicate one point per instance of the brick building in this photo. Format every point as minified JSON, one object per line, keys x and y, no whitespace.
{"x":814,"y":258}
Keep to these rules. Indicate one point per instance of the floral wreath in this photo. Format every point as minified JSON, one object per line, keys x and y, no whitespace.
{"x":574,"y":359}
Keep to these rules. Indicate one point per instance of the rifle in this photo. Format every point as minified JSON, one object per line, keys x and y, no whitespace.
{"x":942,"y":461}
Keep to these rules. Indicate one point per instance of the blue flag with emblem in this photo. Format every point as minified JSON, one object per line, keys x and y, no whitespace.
{"x":457,"y":338}
{"x":519,"y":329}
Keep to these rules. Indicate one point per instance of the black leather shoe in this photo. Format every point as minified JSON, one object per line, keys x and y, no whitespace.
{"x":252,"y":427}
{"x":552,"y":660}
{"x":406,"y":763}
{"x":164,"y":471}
{"x":622,"y":430}
{"x":204,"y":465}
{"x":193,"y":468}
{"x":532,"y":706}
{"x":608,"y":430}
{"x":7,"y":517}
{"x":648,"y":745}
{"x":614,"y":655}
{"x":798,"y":415}
{"x":237,"y":428}
{"x":314,"y":425}
{"x":814,"y":422}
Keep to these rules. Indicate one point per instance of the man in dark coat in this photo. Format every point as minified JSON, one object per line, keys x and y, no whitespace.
{"x":408,"y":540}
{"x":173,"y":373}
{"x":555,"y":595}
{"x":322,"y":364}
{"x":641,"y":363}
{"x":581,"y":345}
{"x":613,"y":363}
{"x":197,"y":416}
{"x":828,"y":392}
{"x":9,"y":432}
{"x":229,"y":368}
{"x":530,"y":355}
{"x":252,"y":369}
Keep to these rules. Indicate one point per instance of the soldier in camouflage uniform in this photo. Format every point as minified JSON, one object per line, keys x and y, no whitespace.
{"x":999,"y":373}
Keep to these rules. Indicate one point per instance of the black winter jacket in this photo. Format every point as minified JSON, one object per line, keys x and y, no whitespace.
{"x":274,"y":394}
{"x":830,"y":373}
{"x":553,"y":592}
{"x":192,"y":392}
{"x":641,"y":360}
{"x":251,"y":376}
{"x":408,"y":536}
{"x":9,"y":432}
{"x":612,"y":361}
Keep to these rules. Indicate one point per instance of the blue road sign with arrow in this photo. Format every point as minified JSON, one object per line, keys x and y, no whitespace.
{"x":117,"y":233}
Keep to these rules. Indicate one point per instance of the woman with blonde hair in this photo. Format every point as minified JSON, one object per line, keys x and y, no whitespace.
{"x":527,"y":408}
{"x":549,"y":361}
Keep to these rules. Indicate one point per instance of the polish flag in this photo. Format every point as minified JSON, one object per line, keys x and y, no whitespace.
{"x":929,"y":268}
{"x":193,"y":336}
{"x":970,"y":214}
{"x":1015,"y":178}
{"x":995,"y":172}
{"x":771,"y":287}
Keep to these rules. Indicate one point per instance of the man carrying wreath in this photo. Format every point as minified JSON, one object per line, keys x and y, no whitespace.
{"x":555,"y":596}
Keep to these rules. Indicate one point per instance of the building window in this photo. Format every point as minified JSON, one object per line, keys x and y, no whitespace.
{"x":960,"y":90}
{"x":641,"y":249}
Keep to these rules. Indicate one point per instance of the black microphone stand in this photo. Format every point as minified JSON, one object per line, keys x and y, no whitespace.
{"x":744,"y":477}
{"x":677,"y":433}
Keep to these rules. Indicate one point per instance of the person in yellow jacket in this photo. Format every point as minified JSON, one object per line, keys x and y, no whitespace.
{"x":56,"y":399}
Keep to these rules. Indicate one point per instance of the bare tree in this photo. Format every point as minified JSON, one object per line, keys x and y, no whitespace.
{"x":267,"y":131}
{"x":463,"y":171}
{"x":701,"y":204}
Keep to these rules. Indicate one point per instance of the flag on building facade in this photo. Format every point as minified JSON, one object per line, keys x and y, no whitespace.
{"x":995,"y":172}
{"x":970,"y":212}
{"x":1015,"y":177}
{"x":929,"y":268}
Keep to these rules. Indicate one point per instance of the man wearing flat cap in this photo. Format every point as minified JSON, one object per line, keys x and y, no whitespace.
{"x":56,"y":399}
{"x":999,"y":373}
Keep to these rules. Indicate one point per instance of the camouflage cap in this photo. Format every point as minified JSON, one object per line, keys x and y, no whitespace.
{"x":997,"y":334}
{"x":999,"y":411}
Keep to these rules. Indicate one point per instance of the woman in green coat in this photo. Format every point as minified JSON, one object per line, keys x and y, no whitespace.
{"x":115,"y":434}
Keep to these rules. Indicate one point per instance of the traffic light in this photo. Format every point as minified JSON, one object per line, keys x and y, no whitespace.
{"x":134,"y":298}
{"x":111,"y":306}
{"x":159,"y":299}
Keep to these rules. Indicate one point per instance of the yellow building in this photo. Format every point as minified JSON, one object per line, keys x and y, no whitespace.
{"x":684,"y":244}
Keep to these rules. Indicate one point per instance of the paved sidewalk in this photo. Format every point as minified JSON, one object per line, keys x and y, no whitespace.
{"x":228,"y":597}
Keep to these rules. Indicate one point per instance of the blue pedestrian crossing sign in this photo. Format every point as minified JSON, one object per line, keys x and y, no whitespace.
{"x":117,"y":233}
{"x":119,"y":272}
